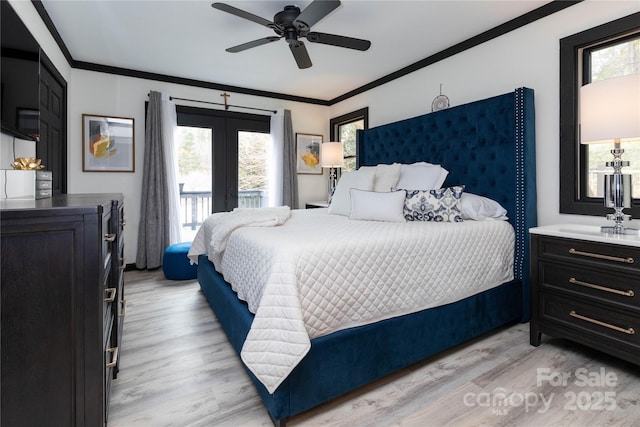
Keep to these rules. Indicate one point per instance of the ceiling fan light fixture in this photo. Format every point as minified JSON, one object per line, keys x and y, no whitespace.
{"x":290,"y":35}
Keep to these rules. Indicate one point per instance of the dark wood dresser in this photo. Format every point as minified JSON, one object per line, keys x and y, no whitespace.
{"x":585,"y":286}
{"x":62,"y":305}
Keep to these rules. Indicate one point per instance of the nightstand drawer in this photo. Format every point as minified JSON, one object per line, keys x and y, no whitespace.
{"x":592,"y":320}
{"x":622,"y":290}
{"x":602,"y":254}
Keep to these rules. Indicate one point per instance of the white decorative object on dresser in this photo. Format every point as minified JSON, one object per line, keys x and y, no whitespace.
{"x":17,"y":184}
{"x":585,"y":286}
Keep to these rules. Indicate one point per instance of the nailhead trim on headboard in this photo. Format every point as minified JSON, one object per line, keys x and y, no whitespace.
{"x":520,"y":227}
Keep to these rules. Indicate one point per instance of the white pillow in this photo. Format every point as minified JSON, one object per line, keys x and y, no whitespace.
{"x":480,"y":208}
{"x":421,"y":176}
{"x":386,"y":176}
{"x":376,"y":206}
{"x":362,"y":179}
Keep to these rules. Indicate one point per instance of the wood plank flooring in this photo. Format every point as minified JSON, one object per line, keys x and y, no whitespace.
{"x":178,"y":369}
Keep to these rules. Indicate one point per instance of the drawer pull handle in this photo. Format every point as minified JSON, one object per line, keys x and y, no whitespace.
{"x":111,"y":237}
{"x":124,"y":308}
{"x":114,"y":357}
{"x":628,"y":260}
{"x":112,"y":295}
{"x":629,"y":331}
{"x":628,"y":293}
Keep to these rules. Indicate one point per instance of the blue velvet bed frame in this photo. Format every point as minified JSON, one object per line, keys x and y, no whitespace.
{"x":489,"y":146}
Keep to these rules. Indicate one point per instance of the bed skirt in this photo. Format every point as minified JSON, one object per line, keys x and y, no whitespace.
{"x":337,"y":364}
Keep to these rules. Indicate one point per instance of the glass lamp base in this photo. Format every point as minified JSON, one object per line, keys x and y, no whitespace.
{"x":619,"y":230}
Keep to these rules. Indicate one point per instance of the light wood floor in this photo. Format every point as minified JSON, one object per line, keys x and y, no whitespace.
{"x":178,"y":369}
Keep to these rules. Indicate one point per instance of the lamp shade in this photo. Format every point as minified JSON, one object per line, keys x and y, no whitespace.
{"x":610,"y":109}
{"x":331,"y":155}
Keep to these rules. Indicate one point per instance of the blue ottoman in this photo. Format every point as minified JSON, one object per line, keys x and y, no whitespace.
{"x":176,"y":265}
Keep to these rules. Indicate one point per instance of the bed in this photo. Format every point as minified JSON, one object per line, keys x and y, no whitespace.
{"x":489,"y":146}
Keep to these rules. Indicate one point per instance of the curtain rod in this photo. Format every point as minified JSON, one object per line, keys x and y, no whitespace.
{"x":225,"y":105}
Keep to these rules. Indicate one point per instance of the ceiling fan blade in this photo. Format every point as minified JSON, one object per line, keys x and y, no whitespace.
{"x":242,"y":14}
{"x":300,"y":54}
{"x":341,"y":41}
{"x":255,"y":43}
{"x":317,"y":10}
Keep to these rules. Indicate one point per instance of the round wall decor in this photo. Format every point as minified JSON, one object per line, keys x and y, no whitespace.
{"x":440,"y":102}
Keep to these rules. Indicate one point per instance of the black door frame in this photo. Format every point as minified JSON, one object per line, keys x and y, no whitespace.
{"x":225,"y":125}
{"x":56,"y":161}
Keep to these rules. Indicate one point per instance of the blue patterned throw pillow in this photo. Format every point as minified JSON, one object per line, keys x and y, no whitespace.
{"x":440,"y":205}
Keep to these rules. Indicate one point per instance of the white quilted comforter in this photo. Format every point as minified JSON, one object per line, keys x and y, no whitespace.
{"x":320,"y":273}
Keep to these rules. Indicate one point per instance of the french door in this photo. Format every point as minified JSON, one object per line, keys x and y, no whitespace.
{"x":225,"y":131}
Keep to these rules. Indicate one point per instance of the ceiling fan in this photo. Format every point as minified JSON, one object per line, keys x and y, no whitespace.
{"x":293,"y":24}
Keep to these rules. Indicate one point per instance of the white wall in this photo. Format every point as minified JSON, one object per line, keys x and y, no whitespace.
{"x":119,"y":96}
{"x":525,"y":57}
{"x":529,"y":57}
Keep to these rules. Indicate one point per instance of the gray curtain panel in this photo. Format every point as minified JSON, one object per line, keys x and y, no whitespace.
{"x":153,"y":232}
{"x":289,"y":175}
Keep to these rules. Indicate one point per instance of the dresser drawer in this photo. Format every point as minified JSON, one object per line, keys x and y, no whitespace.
{"x":44,"y":175}
{"x":108,"y":237}
{"x":43,"y":194}
{"x":592,"y":320}
{"x":622,"y":290}
{"x":583,"y":252}
{"x":108,"y":304}
{"x":110,"y":360}
{"x":44,"y":185}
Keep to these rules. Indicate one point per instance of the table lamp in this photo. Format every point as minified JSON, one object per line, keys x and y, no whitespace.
{"x":610,"y":113}
{"x":331,"y":156}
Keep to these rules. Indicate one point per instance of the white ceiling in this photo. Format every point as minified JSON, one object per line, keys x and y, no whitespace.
{"x":187,"y":39}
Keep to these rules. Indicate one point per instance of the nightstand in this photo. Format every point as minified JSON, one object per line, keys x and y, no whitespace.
{"x":585,"y":286}
{"x":314,"y":205}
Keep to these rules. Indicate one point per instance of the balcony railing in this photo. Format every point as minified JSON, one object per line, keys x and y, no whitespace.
{"x":196,"y":206}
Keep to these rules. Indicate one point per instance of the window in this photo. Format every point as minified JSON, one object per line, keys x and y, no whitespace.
{"x":609,"y":50}
{"x":343,"y":129}
{"x":253,"y":164}
{"x":194,"y":177}
{"x":222,"y":163}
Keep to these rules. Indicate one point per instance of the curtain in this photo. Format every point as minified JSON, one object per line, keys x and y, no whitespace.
{"x":158,"y":197}
{"x":170,"y":126}
{"x":283,"y":180}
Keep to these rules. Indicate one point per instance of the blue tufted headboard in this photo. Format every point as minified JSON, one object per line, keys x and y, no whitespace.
{"x":488,"y":145}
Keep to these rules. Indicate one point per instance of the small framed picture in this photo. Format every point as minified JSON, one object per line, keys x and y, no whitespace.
{"x":308,"y":153}
{"x":107,"y":144}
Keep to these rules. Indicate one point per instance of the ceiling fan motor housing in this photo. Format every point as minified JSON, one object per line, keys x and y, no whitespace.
{"x":285,"y":27}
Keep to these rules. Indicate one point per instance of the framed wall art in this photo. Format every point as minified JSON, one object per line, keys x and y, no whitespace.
{"x":308,"y":153}
{"x":107,"y":144}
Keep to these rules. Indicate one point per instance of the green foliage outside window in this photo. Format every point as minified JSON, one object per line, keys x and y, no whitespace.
{"x":613,"y":61}
{"x":347,"y":134}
